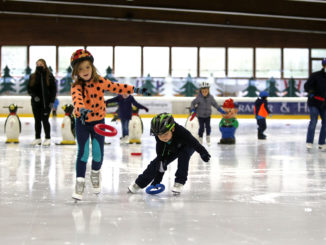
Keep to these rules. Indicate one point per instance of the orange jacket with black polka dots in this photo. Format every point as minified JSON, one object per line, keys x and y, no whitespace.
{"x":92,"y":97}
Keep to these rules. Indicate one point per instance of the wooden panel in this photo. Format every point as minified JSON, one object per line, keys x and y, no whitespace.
{"x":16,"y":30}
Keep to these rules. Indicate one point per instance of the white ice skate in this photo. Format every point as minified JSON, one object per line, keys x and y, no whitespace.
{"x":36,"y":142}
{"x":47,"y":142}
{"x":177,"y":188}
{"x":79,"y":189}
{"x":322,"y":147}
{"x":133,"y":188}
{"x":200,"y":139}
{"x":309,"y":146}
{"x":208,"y":140}
{"x":96,"y":181}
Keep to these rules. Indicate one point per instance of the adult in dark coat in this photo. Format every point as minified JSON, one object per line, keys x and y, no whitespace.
{"x":316,"y":88}
{"x":42,"y":88}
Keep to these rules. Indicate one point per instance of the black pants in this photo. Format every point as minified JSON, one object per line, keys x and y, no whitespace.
{"x":152,"y":173}
{"x":204,"y":122}
{"x":41,"y":116}
{"x":261,"y":125}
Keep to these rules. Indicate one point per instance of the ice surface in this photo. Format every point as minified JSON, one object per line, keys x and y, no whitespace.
{"x":254,"y":192}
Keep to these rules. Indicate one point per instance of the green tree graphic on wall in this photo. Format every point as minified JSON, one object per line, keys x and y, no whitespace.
{"x":251,"y":90}
{"x":148,"y":84}
{"x":271,"y":87}
{"x":291,"y":90}
{"x":109,"y":75}
{"x":65,"y":83}
{"x":25,"y":80}
{"x":188,"y":89}
{"x":7,"y":82}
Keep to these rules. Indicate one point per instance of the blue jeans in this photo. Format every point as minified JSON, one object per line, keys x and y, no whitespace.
{"x":204,"y":122}
{"x":125,"y":127}
{"x":314,"y":112}
{"x":83,"y":135}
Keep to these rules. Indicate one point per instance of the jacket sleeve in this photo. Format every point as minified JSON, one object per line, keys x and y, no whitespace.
{"x":159,"y":148}
{"x":214,"y":103}
{"x":114,"y":99}
{"x":52,"y":89}
{"x":77,"y":99}
{"x":118,"y":88}
{"x":135,"y":103}
{"x":30,"y":90}
{"x":192,"y":141}
{"x":309,"y":85}
{"x":266,"y":107}
{"x":194,"y":103}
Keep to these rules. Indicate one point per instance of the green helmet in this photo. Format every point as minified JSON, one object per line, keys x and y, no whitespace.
{"x":162,"y":123}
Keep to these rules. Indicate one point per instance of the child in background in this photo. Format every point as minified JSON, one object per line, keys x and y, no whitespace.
{"x":88,"y":98}
{"x":172,"y":142}
{"x":55,"y":107}
{"x":261,"y":112}
{"x":125,"y":102}
{"x":202,"y":106}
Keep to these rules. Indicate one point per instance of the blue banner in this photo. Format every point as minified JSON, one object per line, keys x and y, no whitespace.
{"x":277,"y":108}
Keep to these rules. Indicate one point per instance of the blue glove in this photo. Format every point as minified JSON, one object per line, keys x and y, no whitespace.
{"x":141,"y":91}
{"x":221,"y":110}
{"x":83,"y":114}
{"x":205,"y":157}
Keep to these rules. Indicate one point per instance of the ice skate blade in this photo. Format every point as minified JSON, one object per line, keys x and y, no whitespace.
{"x":176,"y":193}
{"x":77,"y":197}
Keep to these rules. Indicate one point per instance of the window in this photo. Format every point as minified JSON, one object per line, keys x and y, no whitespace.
{"x":316,"y":65}
{"x":212,"y":62}
{"x":240,"y":62}
{"x":156,"y":61}
{"x":48,"y":53}
{"x":103,"y":58}
{"x":268,"y":62}
{"x":184,"y":62}
{"x":15,"y":57}
{"x":318,"y":53}
{"x":127,"y":61}
{"x":64,"y":58}
{"x":296,"y":62}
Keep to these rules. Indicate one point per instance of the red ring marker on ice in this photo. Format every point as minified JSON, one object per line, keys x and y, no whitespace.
{"x":100,"y":129}
{"x":135,"y":153}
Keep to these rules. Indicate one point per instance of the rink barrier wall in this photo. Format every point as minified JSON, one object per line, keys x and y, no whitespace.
{"x":294,"y":107}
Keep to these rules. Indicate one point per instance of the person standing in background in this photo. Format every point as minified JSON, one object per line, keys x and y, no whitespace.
{"x":42,"y":89}
{"x":125,"y":102}
{"x":316,"y":89}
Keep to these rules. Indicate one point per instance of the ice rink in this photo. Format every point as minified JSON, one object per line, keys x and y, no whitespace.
{"x":255,"y":192}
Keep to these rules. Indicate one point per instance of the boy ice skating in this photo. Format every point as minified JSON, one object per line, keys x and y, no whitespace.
{"x":261,"y":111}
{"x":172,"y":142}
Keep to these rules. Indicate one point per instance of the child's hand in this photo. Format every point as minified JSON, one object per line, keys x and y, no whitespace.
{"x":205,"y":156}
{"x":83,"y":114}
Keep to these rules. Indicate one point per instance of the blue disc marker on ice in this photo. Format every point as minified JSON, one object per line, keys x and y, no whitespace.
{"x":152,"y":190}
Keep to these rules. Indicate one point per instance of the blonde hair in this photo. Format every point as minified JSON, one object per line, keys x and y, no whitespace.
{"x":47,"y":74}
{"x":77,"y":80}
